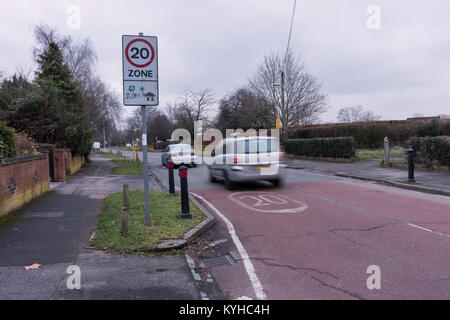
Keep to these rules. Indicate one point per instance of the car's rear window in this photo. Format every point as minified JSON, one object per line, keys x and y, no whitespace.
{"x":185,"y":148}
{"x":252,"y":146}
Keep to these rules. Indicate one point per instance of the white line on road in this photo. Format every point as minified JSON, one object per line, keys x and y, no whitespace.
{"x":257,"y":287}
{"x":428,"y":230}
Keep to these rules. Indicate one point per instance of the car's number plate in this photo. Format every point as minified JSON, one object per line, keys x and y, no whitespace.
{"x":258,"y":168}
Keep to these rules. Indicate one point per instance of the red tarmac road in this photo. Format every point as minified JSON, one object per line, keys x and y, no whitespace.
{"x":316,"y":240}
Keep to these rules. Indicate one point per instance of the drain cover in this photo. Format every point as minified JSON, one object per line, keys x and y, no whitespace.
{"x":218,"y":262}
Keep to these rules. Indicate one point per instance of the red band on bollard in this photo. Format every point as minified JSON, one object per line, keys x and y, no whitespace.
{"x":183,"y":174}
{"x":171,"y":165}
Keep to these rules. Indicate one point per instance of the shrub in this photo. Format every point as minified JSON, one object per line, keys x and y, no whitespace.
{"x":431,"y":150}
{"x":370,"y":135}
{"x":7,"y":142}
{"x":322,"y":147}
{"x":25,"y":144}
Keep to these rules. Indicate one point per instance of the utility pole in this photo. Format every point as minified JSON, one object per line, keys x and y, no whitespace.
{"x":283,"y":111}
{"x":104,"y":137}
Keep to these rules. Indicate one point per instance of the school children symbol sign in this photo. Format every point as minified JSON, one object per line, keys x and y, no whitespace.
{"x":140,"y":71}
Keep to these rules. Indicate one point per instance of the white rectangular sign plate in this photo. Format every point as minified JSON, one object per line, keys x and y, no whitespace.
{"x":140,"y":71}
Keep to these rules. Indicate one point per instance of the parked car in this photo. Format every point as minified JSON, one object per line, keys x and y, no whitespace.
{"x":96,"y":146}
{"x":247,"y":159}
{"x":179,"y":154}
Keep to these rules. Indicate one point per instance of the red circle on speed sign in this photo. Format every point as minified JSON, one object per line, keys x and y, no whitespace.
{"x":127,"y":55}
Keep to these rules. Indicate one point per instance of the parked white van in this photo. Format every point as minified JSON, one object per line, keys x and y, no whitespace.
{"x":96,"y":146}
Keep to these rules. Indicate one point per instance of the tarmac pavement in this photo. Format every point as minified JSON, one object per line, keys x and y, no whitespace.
{"x":53,"y":232}
{"x":371,"y":169}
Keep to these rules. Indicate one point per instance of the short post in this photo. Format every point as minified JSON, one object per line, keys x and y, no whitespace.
{"x":411,"y":166}
{"x":387,"y":151}
{"x":185,"y":212}
{"x":171,"y":179}
{"x":125,"y":210}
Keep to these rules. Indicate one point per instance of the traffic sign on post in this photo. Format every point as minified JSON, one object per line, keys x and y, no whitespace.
{"x":140,"y":88}
{"x":140,"y":71}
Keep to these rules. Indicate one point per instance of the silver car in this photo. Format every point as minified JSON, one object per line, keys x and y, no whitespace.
{"x":247,"y":159}
{"x":179,"y":154}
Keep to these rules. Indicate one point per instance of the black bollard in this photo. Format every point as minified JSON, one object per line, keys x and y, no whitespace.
{"x":185,"y":212}
{"x":171,"y":179}
{"x":411,"y":166}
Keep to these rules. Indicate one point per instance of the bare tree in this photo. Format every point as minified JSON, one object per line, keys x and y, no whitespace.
{"x":295,"y":94}
{"x":242,"y":109}
{"x":197,"y":103}
{"x":193,"y":106}
{"x":356,"y":114}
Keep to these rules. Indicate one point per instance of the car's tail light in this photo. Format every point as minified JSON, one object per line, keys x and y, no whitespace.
{"x":236,"y":160}
{"x":193,"y":154}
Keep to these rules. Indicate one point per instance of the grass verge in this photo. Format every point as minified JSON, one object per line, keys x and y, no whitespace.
{"x":111,"y":156}
{"x":165,"y":214}
{"x":378,"y":154}
{"x":127,"y":168}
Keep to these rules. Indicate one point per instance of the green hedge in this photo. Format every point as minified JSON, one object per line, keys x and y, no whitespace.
{"x":370,"y":135}
{"x":7,"y":142}
{"x":432,"y":151}
{"x":322,"y":147}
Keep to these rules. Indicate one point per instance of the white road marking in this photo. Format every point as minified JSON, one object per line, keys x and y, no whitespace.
{"x":250,"y":269}
{"x":428,"y":230}
{"x":191,"y":264}
{"x":267,"y":202}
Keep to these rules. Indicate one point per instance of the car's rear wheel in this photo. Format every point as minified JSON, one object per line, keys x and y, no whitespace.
{"x":278,"y":183}
{"x":228,"y":183}
{"x":212,"y":179}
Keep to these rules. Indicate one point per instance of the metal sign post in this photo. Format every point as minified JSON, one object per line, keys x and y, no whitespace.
{"x":141,"y":88}
{"x":145,"y":151}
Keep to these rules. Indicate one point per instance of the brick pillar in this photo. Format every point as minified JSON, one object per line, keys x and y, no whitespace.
{"x":59,"y":165}
{"x":69,"y":162}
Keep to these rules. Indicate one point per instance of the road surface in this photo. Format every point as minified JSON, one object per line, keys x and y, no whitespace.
{"x":318,"y":236}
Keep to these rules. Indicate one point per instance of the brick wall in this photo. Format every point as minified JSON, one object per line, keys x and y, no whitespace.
{"x":76,"y":162}
{"x":59,"y":164}
{"x":22,"y":180}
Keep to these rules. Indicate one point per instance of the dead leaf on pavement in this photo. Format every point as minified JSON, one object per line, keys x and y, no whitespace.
{"x":33,"y":267}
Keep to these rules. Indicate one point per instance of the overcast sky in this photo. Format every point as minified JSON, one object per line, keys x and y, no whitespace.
{"x":399,"y":70}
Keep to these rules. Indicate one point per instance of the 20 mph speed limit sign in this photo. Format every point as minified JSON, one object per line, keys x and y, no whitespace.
{"x":140,"y":71}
